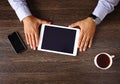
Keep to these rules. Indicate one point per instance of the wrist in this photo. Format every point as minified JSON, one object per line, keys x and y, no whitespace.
{"x":27,"y":19}
{"x":91,"y":21}
{"x":95,"y":19}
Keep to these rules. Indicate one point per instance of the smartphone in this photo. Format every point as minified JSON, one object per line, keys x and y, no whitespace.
{"x":17,"y":42}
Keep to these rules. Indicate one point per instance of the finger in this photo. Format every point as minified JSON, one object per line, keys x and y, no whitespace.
{"x":74,"y":24}
{"x":82,"y":43}
{"x":44,"y":22}
{"x":90,"y":43}
{"x":36,"y":39}
{"x":27,"y":39}
{"x":86,"y":44}
{"x":80,"y":38}
{"x":33,"y":41}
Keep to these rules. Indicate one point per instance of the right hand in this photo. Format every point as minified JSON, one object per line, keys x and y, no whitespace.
{"x":87,"y":32}
{"x":31,"y":30}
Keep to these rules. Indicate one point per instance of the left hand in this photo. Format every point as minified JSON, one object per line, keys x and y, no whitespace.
{"x":88,"y":28}
{"x":31,"y":30}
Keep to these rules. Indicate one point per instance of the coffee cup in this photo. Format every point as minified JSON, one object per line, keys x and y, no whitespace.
{"x":103,"y":60}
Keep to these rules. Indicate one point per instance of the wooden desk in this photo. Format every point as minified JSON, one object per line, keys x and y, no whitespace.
{"x":35,"y":67}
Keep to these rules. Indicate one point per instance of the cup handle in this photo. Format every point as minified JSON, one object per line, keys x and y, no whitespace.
{"x":112,"y":56}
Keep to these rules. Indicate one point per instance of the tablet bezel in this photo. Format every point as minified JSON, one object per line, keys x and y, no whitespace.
{"x":58,"y":52}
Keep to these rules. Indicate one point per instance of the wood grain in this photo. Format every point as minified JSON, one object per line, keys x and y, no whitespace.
{"x":35,"y":67}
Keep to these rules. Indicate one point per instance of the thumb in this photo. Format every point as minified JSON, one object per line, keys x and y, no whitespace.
{"x":43,"y":22}
{"x":74,"y":24}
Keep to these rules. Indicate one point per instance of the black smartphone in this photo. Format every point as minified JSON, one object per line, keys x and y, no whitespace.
{"x":17,"y":42}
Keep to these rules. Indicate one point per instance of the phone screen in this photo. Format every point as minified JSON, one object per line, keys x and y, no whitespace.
{"x":16,"y":42}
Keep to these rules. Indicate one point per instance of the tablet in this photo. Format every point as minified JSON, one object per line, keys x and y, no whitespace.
{"x":58,"y":39}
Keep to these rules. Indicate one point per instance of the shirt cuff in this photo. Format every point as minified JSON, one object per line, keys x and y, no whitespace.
{"x":101,"y":10}
{"x":23,"y":12}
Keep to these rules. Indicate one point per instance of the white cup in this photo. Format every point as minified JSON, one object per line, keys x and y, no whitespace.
{"x":101,"y":60}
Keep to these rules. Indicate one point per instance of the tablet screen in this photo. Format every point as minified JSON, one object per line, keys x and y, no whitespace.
{"x":58,"y":39}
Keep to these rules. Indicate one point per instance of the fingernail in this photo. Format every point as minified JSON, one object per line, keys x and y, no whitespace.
{"x":80,"y":50}
{"x":28,"y":44}
{"x":31,"y":47}
{"x":84,"y":49}
{"x":34,"y":48}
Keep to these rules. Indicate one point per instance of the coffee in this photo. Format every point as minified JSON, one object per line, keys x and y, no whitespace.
{"x":103,"y":61}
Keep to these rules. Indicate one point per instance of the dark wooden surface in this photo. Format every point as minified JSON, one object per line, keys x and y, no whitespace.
{"x":35,"y":67}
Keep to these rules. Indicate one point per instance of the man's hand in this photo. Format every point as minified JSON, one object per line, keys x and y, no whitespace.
{"x":31,"y":30}
{"x":88,"y":28}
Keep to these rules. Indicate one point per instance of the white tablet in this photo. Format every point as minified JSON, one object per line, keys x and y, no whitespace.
{"x":59,"y":39}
